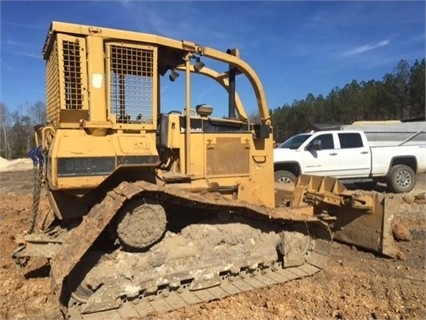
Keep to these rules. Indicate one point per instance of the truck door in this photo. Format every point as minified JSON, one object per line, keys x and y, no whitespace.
{"x":320,"y":156}
{"x":354,"y":156}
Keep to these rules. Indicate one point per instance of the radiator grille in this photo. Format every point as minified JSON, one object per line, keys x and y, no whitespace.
{"x":131,"y":84}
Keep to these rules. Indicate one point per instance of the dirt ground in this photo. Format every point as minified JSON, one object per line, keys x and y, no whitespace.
{"x":355,"y":284}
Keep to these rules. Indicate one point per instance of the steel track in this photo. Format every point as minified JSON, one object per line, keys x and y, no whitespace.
{"x":164,"y":302}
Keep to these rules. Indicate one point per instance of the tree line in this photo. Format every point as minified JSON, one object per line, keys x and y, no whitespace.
{"x":17,"y":129}
{"x":400,"y":95}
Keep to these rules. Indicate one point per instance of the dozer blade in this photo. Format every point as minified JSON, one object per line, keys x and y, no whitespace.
{"x":372,"y":230}
{"x":356,"y":217}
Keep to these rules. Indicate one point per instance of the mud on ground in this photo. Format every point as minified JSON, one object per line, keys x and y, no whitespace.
{"x":355,"y":284}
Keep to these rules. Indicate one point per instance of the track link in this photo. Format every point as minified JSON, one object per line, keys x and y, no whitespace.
{"x":174,"y":300}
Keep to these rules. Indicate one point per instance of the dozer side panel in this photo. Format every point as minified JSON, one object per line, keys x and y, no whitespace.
{"x":261,"y":183}
{"x":227,"y":154}
{"x":239,"y":159}
{"x":82,"y":161}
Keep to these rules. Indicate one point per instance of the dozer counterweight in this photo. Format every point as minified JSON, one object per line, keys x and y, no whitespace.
{"x":165,"y":206}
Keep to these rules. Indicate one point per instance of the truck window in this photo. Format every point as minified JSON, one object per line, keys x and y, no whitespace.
{"x":294,"y":142}
{"x":350,"y":140}
{"x":325,"y":142}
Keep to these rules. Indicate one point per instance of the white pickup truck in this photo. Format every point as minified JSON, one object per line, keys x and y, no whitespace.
{"x":346,"y":155}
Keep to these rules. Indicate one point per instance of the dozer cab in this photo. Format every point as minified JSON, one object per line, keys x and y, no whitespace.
{"x":167,"y":206}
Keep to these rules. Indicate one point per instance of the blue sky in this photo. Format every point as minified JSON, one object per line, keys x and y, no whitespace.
{"x":296,"y":47}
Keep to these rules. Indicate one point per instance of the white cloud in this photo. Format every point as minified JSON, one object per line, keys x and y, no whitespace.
{"x":20,"y":48}
{"x":366,"y":48}
{"x":125,"y":2}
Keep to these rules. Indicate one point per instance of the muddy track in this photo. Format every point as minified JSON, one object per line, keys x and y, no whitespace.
{"x":263,"y":274}
{"x":165,"y":301}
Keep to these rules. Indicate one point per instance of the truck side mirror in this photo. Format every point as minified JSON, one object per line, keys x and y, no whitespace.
{"x":317,"y":145}
{"x":314,"y":145}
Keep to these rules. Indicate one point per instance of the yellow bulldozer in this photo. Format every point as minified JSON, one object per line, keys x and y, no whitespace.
{"x":154,"y":209}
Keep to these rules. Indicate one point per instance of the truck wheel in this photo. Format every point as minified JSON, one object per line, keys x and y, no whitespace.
{"x":400,"y":179}
{"x":284,"y":176}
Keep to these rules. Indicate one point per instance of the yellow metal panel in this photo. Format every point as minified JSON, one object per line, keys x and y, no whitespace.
{"x":79,"y":182}
{"x":136,"y":144}
{"x":96,"y":79}
{"x":172,"y":131}
{"x":226,"y":155}
{"x":196,"y":164}
{"x":262,"y":171}
{"x":78,"y":143}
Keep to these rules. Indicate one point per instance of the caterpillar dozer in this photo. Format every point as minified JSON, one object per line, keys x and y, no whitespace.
{"x":155,"y":207}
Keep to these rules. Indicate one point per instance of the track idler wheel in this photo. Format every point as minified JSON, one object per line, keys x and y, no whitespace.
{"x":142,"y":223}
